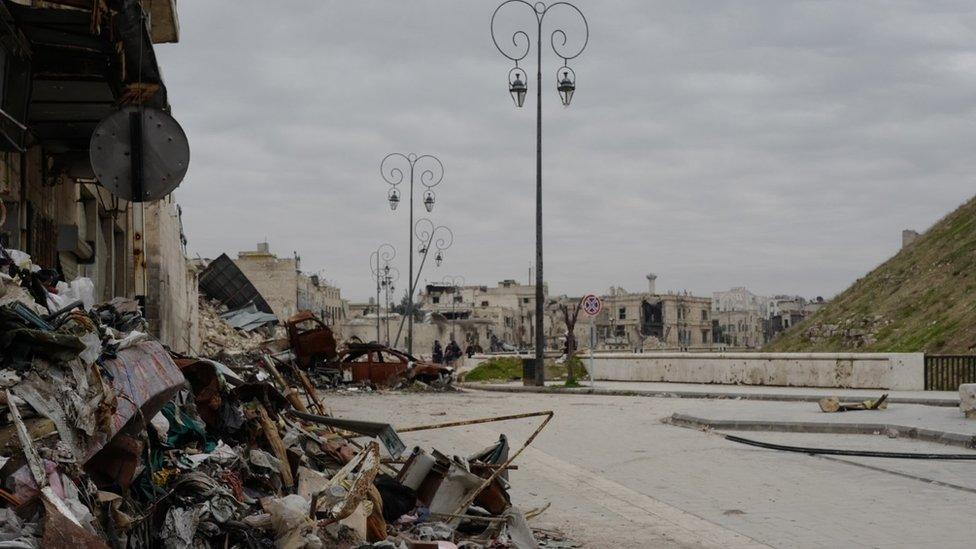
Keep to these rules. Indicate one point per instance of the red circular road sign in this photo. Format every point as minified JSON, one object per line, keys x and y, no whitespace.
{"x":592,"y":305}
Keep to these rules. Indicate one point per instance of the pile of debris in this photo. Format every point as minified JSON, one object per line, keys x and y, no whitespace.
{"x":109,"y":440}
{"x":220,"y":338}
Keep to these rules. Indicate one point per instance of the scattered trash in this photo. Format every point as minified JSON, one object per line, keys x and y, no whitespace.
{"x":109,"y":440}
{"x":833,"y":404}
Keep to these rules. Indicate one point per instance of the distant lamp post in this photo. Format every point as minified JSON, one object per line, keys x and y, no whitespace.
{"x":391,"y":275}
{"x":395,"y":168}
{"x":516,"y":49}
{"x":439,"y":258}
{"x":379,"y":265}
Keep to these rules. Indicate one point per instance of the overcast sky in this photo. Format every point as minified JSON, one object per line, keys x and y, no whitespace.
{"x":780,"y":145}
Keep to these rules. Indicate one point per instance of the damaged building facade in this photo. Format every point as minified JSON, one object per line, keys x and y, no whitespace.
{"x":66,"y":66}
{"x":287,"y":289}
{"x":638,"y":321}
{"x":483,"y":314}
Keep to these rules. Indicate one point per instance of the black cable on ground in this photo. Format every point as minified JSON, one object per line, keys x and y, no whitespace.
{"x":857,"y":453}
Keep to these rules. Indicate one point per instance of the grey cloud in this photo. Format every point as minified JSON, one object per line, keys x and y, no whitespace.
{"x":778,"y":144}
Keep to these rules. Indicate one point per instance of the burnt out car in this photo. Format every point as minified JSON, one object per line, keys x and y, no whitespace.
{"x":310,"y":339}
{"x":383,"y":366}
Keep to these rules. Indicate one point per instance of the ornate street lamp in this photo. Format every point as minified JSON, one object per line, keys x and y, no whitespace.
{"x":516,"y":49}
{"x":390,"y":277}
{"x":382,"y":256}
{"x":395,"y":168}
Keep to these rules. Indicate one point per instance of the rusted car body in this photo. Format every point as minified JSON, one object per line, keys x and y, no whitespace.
{"x":383,"y":366}
{"x":310,"y":339}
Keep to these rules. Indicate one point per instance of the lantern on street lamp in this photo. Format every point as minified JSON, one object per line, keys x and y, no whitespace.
{"x":438,"y":259}
{"x":429,"y":200}
{"x":394,"y":198}
{"x":566,"y":85}
{"x":517,"y":86}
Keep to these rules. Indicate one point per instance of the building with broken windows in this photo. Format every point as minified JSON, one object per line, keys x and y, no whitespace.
{"x":66,"y":65}
{"x":638,"y":321}
{"x":501,"y":315}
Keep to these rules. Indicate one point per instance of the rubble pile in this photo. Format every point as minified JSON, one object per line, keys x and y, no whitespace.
{"x":219,"y":338}
{"x":109,"y":440}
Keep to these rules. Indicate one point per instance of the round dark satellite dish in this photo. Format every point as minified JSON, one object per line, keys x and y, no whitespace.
{"x":139,"y":153}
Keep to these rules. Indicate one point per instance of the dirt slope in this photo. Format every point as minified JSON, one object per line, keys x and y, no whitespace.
{"x":922,"y":299}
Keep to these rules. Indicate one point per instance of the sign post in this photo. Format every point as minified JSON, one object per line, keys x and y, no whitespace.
{"x":592,"y":307}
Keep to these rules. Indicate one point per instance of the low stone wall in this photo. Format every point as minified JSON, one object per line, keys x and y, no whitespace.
{"x":898,"y":371}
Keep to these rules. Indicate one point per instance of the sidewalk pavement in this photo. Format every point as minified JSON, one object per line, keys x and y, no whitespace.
{"x":741,"y":392}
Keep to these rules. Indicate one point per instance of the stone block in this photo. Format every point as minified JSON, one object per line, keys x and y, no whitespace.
{"x":967,"y":399}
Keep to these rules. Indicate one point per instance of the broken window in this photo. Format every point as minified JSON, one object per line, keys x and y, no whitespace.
{"x":435,"y":299}
{"x":622,"y":313}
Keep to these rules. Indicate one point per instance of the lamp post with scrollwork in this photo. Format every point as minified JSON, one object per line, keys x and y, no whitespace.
{"x":518,"y":87}
{"x":379,"y":265}
{"x":428,"y":171}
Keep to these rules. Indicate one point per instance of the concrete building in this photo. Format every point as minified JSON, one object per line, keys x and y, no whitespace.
{"x":172,"y":299}
{"x":62,"y":74}
{"x":286,"y":289}
{"x":503,"y":313}
{"x":740,"y":318}
{"x":786,"y":311}
{"x":649,"y":320}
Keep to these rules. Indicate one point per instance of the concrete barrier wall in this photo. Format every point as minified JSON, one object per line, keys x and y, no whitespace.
{"x":898,"y":371}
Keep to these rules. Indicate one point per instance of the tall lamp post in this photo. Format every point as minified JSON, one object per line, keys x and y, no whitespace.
{"x":428,"y":170}
{"x":456,"y":283}
{"x":379,"y":265}
{"x":391,"y":275}
{"x":517,"y":50}
{"x":436,"y":239}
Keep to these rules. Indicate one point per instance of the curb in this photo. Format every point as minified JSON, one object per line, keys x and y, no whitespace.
{"x":902,"y":431}
{"x":950,"y":403}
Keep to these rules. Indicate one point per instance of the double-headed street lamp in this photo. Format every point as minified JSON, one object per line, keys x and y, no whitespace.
{"x":518,"y":88}
{"x":391,"y":275}
{"x":428,"y":170}
{"x":436,"y":239}
{"x":379,"y":265}
{"x":455,"y":283}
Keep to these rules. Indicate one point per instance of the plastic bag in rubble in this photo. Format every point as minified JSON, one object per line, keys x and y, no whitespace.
{"x":291,"y":523}
{"x":81,"y":288}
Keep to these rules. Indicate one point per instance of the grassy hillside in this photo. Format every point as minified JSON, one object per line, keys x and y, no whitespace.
{"x":922,"y":299}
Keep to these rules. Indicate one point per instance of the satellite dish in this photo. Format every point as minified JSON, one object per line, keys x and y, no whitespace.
{"x":139,"y":153}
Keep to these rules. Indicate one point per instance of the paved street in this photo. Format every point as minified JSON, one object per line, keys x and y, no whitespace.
{"x":616,"y":476}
